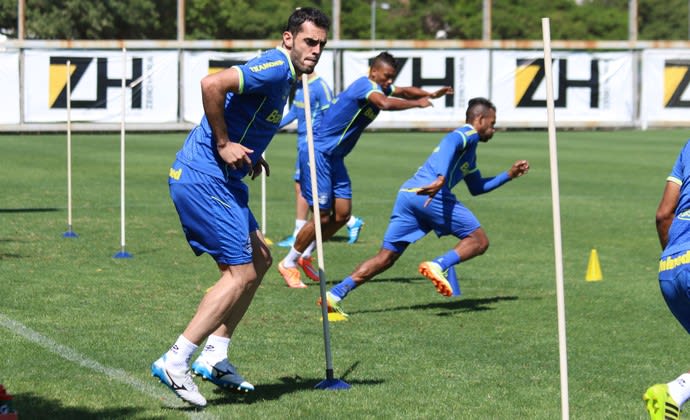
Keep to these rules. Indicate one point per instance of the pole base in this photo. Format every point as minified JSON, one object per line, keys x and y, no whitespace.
{"x":332,"y":385}
{"x":122,"y":254}
{"x":70,"y":234}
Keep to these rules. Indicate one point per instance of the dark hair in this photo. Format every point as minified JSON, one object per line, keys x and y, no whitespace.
{"x":306,"y":14}
{"x":478,"y":107}
{"x":384,"y":57}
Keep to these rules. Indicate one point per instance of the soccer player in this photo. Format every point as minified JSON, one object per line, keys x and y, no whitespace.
{"x":320,"y":97}
{"x":425,"y":203}
{"x":663,"y":401}
{"x":242,"y":111}
{"x":341,"y":126}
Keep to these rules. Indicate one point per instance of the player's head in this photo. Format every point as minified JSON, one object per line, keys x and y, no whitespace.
{"x":383,"y":70}
{"x":481,"y":114}
{"x":305,"y":37}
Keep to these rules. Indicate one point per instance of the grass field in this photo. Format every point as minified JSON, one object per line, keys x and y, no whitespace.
{"x":79,"y":329}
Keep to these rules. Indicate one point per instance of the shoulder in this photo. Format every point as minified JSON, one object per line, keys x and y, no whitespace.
{"x":272,"y":63}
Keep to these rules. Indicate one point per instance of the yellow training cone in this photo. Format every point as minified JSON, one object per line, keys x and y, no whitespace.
{"x":593,"y":267}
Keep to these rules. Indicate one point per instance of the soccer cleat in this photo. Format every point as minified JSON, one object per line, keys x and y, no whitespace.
{"x":291,"y":276}
{"x":355,"y":230}
{"x":181,"y":383}
{"x":659,"y":403}
{"x":223,"y":374}
{"x":308,"y":268}
{"x":333,"y":305}
{"x":433,"y":272}
{"x":287,"y":242}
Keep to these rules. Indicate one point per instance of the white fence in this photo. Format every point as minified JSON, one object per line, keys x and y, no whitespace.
{"x":606,"y":85}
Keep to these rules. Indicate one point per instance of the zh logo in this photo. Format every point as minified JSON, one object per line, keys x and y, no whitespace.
{"x":58,"y":81}
{"x":530,"y":74}
{"x":676,"y":81}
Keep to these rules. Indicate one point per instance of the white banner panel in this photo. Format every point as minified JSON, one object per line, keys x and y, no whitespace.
{"x":590,"y":89}
{"x":467,"y":71}
{"x":9,"y":86}
{"x":96,"y":80}
{"x":199,"y":64}
{"x":665,"y":98}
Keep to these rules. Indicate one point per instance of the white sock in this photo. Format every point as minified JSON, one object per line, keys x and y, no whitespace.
{"x":291,"y":259}
{"x":351,"y":221}
{"x":298,"y":225}
{"x":179,"y":354}
{"x":216,"y":349}
{"x":679,"y":389}
{"x":307,"y":252}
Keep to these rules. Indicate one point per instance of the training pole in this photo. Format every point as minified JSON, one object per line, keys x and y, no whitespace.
{"x":123,"y":109}
{"x":555,"y":200}
{"x":330,"y":382}
{"x":70,"y":233}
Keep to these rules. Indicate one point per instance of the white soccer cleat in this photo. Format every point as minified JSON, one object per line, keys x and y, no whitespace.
{"x":181,"y":383}
{"x":224,"y":374}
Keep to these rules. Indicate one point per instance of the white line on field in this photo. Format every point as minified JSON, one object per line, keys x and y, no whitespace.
{"x":73,"y":356}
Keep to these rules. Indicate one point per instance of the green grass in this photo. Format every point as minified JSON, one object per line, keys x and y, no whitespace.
{"x":407,"y":351}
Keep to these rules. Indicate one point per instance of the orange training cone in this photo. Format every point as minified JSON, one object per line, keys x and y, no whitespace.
{"x":593,"y":267}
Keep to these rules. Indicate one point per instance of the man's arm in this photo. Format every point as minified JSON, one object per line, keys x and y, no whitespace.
{"x":666,"y":211}
{"x":412,"y":92}
{"x":386,"y":103}
{"x":478,"y":185}
{"x":214,"y":88}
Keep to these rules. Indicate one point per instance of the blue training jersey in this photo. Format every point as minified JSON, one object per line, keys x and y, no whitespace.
{"x":679,"y":232}
{"x":252,"y":116}
{"x":320,"y":98}
{"x":455,"y":157}
{"x":350,"y":113}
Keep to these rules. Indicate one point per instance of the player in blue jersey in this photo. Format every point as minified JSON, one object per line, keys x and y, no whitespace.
{"x":341,"y":127}
{"x":320,"y":97}
{"x":425,"y":203}
{"x":242,"y":110}
{"x":663,"y":401}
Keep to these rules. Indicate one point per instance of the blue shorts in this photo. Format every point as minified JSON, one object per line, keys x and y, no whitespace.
{"x":215,"y":215}
{"x":674,"y":281}
{"x":331,"y":177}
{"x":410,"y":221}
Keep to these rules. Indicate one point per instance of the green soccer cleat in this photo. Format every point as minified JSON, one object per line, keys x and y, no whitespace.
{"x":333,"y":305}
{"x":433,"y":272}
{"x":659,"y":403}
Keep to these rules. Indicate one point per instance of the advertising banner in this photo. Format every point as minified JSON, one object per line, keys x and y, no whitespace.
{"x":151,"y":79}
{"x":590,"y":89}
{"x":665,"y":99}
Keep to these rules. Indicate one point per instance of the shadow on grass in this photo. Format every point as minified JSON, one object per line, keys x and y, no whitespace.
{"x":29,"y":210}
{"x":287,"y":385}
{"x":450,"y":307}
{"x":32,"y":406}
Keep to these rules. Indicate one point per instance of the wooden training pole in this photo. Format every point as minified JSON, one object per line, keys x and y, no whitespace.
{"x":555,"y":200}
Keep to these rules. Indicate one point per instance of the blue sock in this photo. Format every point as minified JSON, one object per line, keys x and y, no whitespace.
{"x":344,"y":287}
{"x":448,"y":259}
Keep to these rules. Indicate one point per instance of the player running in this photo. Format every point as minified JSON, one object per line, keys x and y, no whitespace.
{"x":425,"y":203}
{"x":341,"y":127}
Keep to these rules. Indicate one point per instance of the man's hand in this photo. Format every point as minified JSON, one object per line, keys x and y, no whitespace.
{"x":432,"y":189}
{"x":446,"y":90}
{"x":518,"y":169}
{"x":260,"y":166}
{"x":234,"y":154}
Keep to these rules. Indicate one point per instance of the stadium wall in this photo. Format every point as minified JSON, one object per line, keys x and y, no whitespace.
{"x":596,"y":84}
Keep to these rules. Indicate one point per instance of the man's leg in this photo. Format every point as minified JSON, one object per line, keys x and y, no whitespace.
{"x":300,"y":253}
{"x":213,"y":363}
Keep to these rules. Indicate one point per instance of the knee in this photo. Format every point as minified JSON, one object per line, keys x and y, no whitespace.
{"x":481,"y":242}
